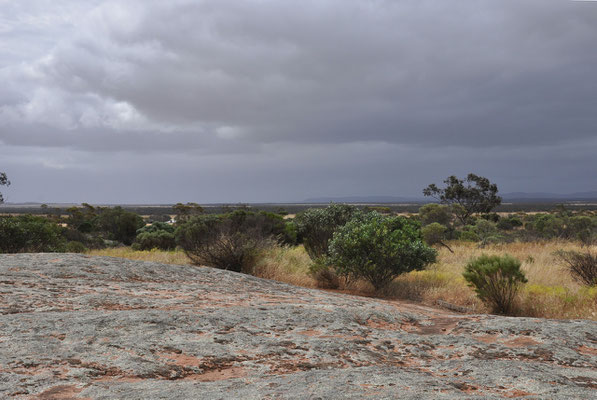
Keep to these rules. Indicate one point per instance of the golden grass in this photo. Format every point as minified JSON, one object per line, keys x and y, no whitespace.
{"x":155,"y":255}
{"x":550,"y":293}
{"x":285,"y":264}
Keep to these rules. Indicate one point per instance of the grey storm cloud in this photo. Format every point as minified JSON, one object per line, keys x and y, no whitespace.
{"x":229,"y":85}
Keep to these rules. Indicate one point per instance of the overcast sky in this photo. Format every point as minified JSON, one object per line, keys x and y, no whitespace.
{"x":142,"y":101}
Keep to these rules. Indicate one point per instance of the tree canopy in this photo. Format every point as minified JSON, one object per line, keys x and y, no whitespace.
{"x":3,"y":181}
{"x":476,"y":194}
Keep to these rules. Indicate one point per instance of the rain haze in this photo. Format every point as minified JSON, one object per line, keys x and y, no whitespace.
{"x":143,"y":101}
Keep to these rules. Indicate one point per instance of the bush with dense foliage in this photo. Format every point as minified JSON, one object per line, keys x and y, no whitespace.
{"x":30,"y":234}
{"x":430,"y":213}
{"x":119,"y":225}
{"x":509,"y":223}
{"x":75,"y":247}
{"x":158,"y":235}
{"x":496,"y":280}
{"x":582,"y":266}
{"x":229,"y":241}
{"x":162,"y":240}
{"x":435,"y":233}
{"x":3,"y":181}
{"x":378,"y":249}
{"x":316,"y":226}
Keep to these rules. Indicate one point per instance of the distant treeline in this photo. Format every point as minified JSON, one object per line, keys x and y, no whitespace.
{"x":293,"y":208}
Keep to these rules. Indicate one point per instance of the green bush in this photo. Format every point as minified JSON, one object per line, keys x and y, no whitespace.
{"x":30,"y":234}
{"x":468,"y":236}
{"x":509,"y":223}
{"x":290,"y":236}
{"x":548,"y":226}
{"x":158,"y":235}
{"x":430,"y":213}
{"x":378,"y":249}
{"x":435,"y":233}
{"x":120,"y":225}
{"x":316,"y":226}
{"x":496,"y":280}
{"x":156,"y":227}
{"x":162,"y":240}
{"x":75,"y":247}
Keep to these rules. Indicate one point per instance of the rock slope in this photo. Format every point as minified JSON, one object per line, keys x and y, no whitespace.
{"x":73,"y":326}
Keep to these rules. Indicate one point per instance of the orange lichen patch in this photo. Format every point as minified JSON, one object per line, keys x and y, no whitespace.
{"x":438,"y":326}
{"x":124,"y":379}
{"x":310,"y":333}
{"x":54,"y":371}
{"x":59,"y":336}
{"x":182,"y":360}
{"x":218,"y":375}
{"x":381,"y":324}
{"x":592,"y":351}
{"x":62,"y":392}
{"x":488,"y":339}
{"x":514,"y":393}
{"x":117,"y":307}
{"x":55,"y":260}
{"x":282,"y":367}
{"x":345,"y":337}
{"x":521,"y":341}
{"x":466,"y":388}
{"x":441,"y":326}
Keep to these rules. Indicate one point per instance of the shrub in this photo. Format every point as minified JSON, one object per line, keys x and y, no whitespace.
{"x":75,"y":247}
{"x":582,"y":266}
{"x":325,"y":276}
{"x":156,"y":227}
{"x":435,"y":233}
{"x":468,"y":236}
{"x":316,"y":226}
{"x":496,"y":280}
{"x":549,"y":226}
{"x":27,"y":233}
{"x":378,"y":249}
{"x":229,"y":241}
{"x":158,"y":235}
{"x":582,"y":228}
{"x":290,"y":236}
{"x":120,"y":225}
{"x":509,"y":223}
{"x":159,"y":239}
{"x":432,"y":212}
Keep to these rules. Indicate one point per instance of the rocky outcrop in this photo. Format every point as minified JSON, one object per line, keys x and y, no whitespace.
{"x":80,"y":327}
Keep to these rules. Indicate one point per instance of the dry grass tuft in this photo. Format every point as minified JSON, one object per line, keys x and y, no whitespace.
{"x":550,"y":293}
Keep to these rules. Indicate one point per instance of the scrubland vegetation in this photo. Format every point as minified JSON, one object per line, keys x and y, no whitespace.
{"x":457,"y":254}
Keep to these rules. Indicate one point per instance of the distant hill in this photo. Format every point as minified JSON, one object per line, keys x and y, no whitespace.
{"x":366,"y":199}
{"x":523,"y":197}
{"x":542,"y":196}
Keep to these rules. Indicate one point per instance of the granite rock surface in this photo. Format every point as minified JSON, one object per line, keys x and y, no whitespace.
{"x":79,"y":327}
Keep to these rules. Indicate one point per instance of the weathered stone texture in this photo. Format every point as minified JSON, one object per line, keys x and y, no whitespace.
{"x":73,"y":326}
